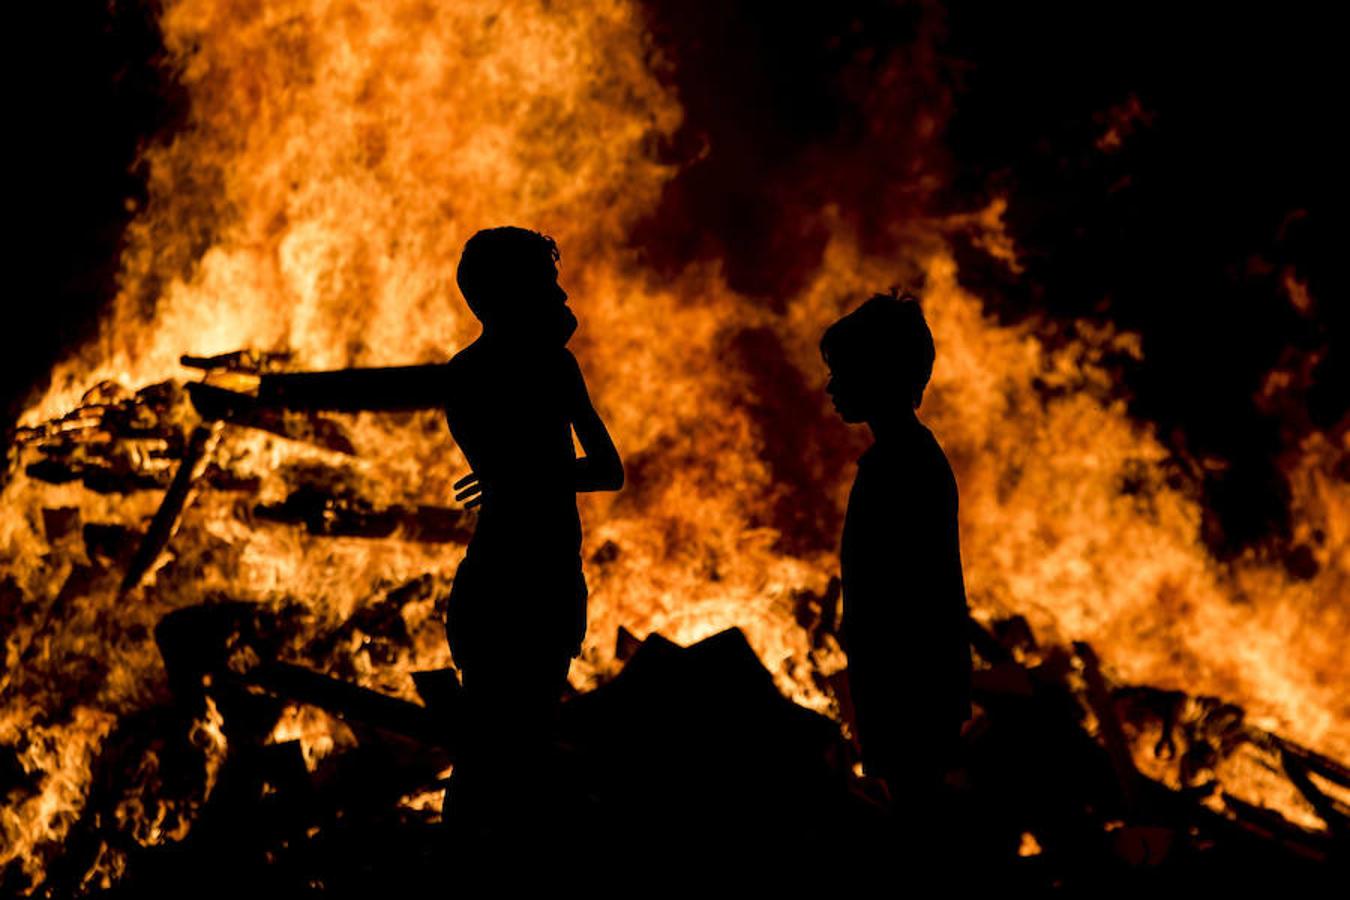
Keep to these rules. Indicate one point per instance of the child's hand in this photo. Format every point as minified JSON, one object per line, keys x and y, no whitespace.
{"x":469,"y":490}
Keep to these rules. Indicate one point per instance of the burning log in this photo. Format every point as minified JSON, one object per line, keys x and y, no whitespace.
{"x":195,"y":457}
{"x":115,"y":442}
{"x":687,"y":747}
{"x":219,"y":404}
{"x":330,"y":513}
{"x":229,"y":650}
{"x":1332,"y":811}
{"x":1108,"y":725}
{"x":59,"y":521}
{"x":119,"y":443}
{"x":352,"y":702}
{"x":394,"y":388}
{"x":353,"y":389}
{"x":104,"y":479}
{"x":1105,"y":790}
{"x":249,"y":362}
{"x":1298,"y":762}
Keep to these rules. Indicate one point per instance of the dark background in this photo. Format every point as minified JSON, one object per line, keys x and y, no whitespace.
{"x":1226,"y":183}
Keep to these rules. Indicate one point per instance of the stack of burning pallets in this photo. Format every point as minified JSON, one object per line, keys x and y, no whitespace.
{"x":688,"y":753}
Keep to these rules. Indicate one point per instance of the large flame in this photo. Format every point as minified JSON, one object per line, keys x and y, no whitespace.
{"x":337,"y":156}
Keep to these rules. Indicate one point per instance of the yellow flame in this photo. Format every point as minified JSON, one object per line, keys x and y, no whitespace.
{"x":338,"y":154}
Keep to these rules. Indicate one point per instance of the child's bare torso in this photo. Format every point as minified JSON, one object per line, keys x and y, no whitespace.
{"x":511,"y":413}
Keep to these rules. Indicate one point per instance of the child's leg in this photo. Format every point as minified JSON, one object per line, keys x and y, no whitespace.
{"x":507,"y":767}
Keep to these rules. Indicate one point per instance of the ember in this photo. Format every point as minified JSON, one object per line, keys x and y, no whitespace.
{"x":226,"y":626}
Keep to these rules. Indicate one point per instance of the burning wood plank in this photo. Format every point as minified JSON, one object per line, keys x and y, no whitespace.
{"x":252,"y":362}
{"x":334,"y":514}
{"x":1108,"y":725}
{"x":114,"y":442}
{"x":197,"y":454}
{"x":353,"y":389}
{"x":354,"y":703}
{"x":237,"y":408}
{"x":1010,"y":690}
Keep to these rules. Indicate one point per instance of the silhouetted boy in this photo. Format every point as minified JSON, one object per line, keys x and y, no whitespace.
{"x":904,"y":620}
{"x":517,"y":609}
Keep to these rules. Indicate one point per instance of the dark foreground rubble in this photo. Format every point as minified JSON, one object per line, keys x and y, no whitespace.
{"x":687,"y":768}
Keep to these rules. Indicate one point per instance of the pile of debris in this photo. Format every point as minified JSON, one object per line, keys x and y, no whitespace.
{"x":688,"y":759}
{"x":119,"y":442}
{"x":688,"y":756}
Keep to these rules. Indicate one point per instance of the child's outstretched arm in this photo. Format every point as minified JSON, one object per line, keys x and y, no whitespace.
{"x":600,"y":469}
{"x":343,"y":390}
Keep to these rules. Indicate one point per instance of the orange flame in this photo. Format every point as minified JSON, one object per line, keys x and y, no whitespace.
{"x":336,"y":158}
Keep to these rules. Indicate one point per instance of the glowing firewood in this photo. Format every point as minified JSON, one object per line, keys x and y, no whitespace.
{"x":195,"y":458}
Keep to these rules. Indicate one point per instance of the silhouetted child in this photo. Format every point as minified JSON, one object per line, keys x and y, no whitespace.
{"x":904,"y":603}
{"x":517,"y":609}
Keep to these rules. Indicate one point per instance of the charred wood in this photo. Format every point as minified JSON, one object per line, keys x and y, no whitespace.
{"x":1108,"y":725}
{"x":335,"y":514}
{"x":250,"y":361}
{"x":694,"y":748}
{"x":59,"y":521}
{"x":1209,"y":729}
{"x":195,"y":458}
{"x":220,"y":404}
{"x":625,"y":644}
{"x":348,"y":701}
{"x":440,"y":691}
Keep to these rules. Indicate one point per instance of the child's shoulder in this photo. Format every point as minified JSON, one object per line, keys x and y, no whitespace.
{"x":917,"y":460}
{"x":463,"y":369}
{"x":468,"y":357}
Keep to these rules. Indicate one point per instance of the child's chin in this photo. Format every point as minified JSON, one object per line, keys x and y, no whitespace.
{"x":568,"y":327}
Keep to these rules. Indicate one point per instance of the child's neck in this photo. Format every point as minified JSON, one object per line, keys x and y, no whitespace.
{"x":894,"y":425}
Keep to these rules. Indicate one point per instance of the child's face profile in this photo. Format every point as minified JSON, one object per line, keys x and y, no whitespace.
{"x":849,"y":390}
{"x":557,"y":316}
{"x":542,"y":313}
